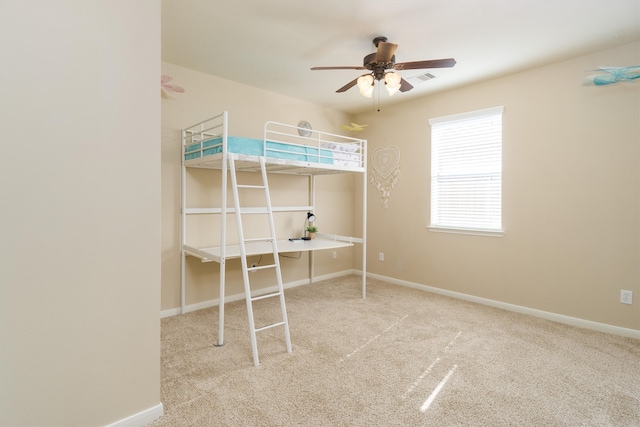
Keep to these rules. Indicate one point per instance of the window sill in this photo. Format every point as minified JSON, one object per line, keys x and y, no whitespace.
{"x":470,"y":231}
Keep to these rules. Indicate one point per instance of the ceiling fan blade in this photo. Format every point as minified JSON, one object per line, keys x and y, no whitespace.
{"x":349,"y":85}
{"x":338,"y":68}
{"x":385,"y":51}
{"x":433,"y":63}
{"x":405,"y":85}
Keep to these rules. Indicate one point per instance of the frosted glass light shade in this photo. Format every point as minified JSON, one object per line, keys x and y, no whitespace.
{"x":392,"y":81}
{"x":365,"y":84}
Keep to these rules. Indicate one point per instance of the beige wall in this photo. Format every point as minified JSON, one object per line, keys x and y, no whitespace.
{"x":571,"y":194}
{"x":249,"y":108}
{"x":80,"y":225}
{"x":571,"y":203}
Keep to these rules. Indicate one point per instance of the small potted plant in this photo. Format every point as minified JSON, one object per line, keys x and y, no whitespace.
{"x":312,"y":230}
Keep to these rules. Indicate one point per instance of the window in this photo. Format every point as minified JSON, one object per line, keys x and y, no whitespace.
{"x":466,"y":172}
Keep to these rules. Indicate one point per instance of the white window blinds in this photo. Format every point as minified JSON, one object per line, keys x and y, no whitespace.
{"x":466,"y":171}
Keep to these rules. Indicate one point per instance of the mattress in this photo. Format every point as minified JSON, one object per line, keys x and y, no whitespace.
{"x":255,"y":147}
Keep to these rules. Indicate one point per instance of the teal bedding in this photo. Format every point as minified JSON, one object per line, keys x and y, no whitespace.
{"x":254,"y":147}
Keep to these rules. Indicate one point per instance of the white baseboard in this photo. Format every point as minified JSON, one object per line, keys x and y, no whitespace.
{"x":587,"y":324}
{"x":240,"y":296}
{"x":169,"y":312}
{"x":141,"y":418}
{"x":573,"y":321}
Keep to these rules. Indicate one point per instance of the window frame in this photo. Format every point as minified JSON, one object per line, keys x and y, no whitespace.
{"x":492,"y":232}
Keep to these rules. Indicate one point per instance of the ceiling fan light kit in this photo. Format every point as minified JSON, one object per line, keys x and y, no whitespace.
{"x":365,"y":84}
{"x":392,"y":81}
{"x":379,"y":62}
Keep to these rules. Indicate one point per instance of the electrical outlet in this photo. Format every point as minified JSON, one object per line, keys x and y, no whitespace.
{"x":381,"y":256}
{"x":626,"y":297}
{"x":335,"y":254}
{"x":253,"y":265}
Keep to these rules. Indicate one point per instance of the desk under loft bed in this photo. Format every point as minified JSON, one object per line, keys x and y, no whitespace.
{"x":284,"y":149}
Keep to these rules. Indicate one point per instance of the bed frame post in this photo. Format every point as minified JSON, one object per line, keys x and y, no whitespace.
{"x":183,"y":224}
{"x":223,"y":230}
{"x":364,"y":222}
{"x":312,"y":194}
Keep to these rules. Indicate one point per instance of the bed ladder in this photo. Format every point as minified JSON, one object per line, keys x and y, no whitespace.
{"x":268,"y":241}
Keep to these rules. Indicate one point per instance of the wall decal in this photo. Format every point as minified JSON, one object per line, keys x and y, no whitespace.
{"x":613,"y":75}
{"x":165,"y":87}
{"x":385,"y":170}
{"x":354,"y":127}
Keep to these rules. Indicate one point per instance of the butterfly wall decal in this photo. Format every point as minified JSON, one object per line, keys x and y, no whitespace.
{"x":166,"y":87}
{"x":354,"y":127}
{"x":613,"y":75}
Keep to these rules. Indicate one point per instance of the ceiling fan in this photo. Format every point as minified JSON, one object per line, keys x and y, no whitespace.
{"x":379,"y":62}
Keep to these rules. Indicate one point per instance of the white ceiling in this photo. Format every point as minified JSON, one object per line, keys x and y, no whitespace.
{"x":272,"y":44}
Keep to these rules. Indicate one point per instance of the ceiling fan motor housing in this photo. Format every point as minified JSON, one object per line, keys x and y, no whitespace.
{"x":378,"y":68}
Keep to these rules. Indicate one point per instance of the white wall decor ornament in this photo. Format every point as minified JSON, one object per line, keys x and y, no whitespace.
{"x":385,"y":171}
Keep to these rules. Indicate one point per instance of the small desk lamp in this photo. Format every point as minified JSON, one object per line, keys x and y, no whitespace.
{"x":310,"y":218}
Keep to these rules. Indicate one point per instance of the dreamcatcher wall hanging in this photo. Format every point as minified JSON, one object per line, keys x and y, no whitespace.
{"x":385,"y":171}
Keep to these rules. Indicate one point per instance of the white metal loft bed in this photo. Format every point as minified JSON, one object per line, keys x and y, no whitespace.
{"x":286,"y":149}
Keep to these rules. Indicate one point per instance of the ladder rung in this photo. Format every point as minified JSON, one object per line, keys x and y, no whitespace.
{"x":265,"y":296}
{"x":260,"y":267}
{"x":262,"y":187}
{"x":269,"y":326}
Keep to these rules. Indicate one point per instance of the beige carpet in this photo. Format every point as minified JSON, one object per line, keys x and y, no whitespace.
{"x":401,"y":357}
